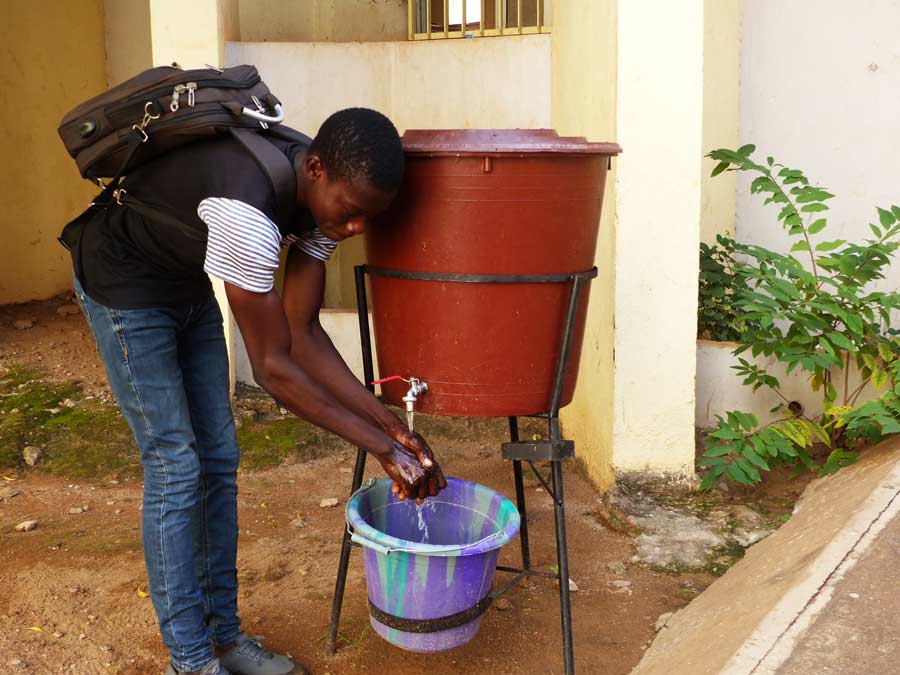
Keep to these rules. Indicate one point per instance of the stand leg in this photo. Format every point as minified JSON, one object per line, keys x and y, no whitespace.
{"x":562,"y":559}
{"x":368,"y":375}
{"x":344,"y":563}
{"x":520,"y":497}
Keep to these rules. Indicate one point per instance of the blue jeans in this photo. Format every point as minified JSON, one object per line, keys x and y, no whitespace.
{"x":168,"y":368}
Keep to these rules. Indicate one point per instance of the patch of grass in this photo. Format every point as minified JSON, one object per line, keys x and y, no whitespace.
{"x":268,"y":443}
{"x":89,"y":441}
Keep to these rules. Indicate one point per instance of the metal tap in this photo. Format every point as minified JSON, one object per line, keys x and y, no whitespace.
{"x":417,"y":388}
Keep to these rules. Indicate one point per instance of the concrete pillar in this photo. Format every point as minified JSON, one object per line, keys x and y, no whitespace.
{"x":661,"y":79}
{"x":583,"y":103}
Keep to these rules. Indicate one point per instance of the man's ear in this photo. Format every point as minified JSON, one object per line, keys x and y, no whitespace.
{"x":314,"y":168}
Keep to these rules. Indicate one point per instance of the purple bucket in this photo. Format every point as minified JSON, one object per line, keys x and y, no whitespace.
{"x":429,"y":568}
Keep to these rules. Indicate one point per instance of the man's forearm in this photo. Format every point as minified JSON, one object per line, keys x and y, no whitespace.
{"x":316,"y":354}
{"x":297,"y":390}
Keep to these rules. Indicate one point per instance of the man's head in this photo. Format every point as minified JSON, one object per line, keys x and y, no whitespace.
{"x":351,"y":172}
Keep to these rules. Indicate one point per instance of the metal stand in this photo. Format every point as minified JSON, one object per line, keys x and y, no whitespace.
{"x":554,"y":450}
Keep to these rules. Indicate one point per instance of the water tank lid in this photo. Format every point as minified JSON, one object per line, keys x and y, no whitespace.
{"x":500,"y":141}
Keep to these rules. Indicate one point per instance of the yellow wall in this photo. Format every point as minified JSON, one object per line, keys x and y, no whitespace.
{"x":721,"y":91}
{"x":52,"y":59}
{"x":584,"y":42}
{"x":128,"y":46}
{"x":322,"y":20}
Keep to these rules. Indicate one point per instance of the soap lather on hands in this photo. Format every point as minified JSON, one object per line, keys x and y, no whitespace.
{"x":412,"y":466}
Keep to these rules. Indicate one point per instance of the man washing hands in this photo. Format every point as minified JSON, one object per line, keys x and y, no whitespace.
{"x":149,"y":302}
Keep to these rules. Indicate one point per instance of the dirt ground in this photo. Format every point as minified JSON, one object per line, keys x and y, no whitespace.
{"x":73,"y":591}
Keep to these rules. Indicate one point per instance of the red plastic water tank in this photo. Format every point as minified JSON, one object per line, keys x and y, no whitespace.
{"x":485,"y":202}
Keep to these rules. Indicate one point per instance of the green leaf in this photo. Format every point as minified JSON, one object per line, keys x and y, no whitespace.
{"x":751,"y":472}
{"x":737,"y":474}
{"x":717,"y":451}
{"x":750,"y":454}
{"x":840,"y":340}
{"x":726,"y":433}
{"x":879,"y":378}
{"x":817,"y":226}
{"x":720,"y":167}
{"x":830,"y":245}
{"x":815,"y":207}
{"x":711,"y":478}
{"x":875,"y":230}
{"x":800,"y":246}
{"x":885,"y":351}
{"x":854,"y":323}
{"x":746,"y":150}
{"x":886,"y":218}
{"x":896,"y":211}
{"x":711,"y":461}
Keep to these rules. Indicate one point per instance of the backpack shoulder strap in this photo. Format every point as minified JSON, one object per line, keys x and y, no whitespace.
{"x":277,"y":167}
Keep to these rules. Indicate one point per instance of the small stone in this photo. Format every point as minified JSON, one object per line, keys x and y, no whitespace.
{"x":32,"y":455}
{"x":17,"y":663}
{"x":53,"y":411}
{"x":283,"y":411}
{"x":617,"y":567}
{"x":104,"y":648}
{"x":329,"y":503}
{"x":118,"y":512}
{"x":74,"y":511}
{"x":747,"y":538}
{"x":502,"y":605}
{"x":303,"y":571}
{"x":82,"y":636}
{"x":23,"y":324}
{"x":620,"y":586}
{"x":69,"y":403}
{"x":91,"y":617}
{"x":663,"y":620}
{"x":26,"y":526}
{"x":855,"y":596}
{"x":540,"y":489}
{"x":298,"y":522}
{"x":58,"y":634}
{"x":68,"y":310}
{"x":573,"y":587}
{"x":9,"y":492}
{"x":113,"y":482}
{"x":345,"y":469}
{"x":74,"y":589}
{"x":110,"y":502}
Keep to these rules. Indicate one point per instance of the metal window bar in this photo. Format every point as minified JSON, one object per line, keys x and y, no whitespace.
{"x":419,"y":17}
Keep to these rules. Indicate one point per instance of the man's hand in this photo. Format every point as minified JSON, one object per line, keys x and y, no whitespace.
{"x":404,"y":468}
{"x":434,"y":478}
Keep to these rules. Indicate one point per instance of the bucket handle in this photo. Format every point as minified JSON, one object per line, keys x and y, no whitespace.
{"x":386,"y":550}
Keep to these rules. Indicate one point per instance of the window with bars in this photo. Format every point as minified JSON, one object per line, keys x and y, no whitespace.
{"x":439,"y":19}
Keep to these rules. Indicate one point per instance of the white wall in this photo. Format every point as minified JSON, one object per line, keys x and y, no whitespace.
{"x":820,"y":91}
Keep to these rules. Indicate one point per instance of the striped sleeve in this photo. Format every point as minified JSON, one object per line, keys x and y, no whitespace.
{"x":243,"y":244}
{"x":313,"y":243}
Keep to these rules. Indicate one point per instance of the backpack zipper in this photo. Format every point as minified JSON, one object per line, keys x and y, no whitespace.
{"x":218,"y":83}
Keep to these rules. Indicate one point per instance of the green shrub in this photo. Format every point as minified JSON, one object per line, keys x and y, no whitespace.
{"x":815,"y":311}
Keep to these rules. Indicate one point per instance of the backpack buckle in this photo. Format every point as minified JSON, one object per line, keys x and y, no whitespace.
{"x":118,"y":194}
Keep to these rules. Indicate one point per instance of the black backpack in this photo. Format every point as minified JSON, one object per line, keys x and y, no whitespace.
{"x":164,"y":108}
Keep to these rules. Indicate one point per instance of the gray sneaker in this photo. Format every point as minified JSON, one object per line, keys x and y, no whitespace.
{"x":214,"y":667}
{"x":249,"y":658}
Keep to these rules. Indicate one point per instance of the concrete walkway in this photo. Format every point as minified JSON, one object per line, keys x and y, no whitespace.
{"x":821,"y":595}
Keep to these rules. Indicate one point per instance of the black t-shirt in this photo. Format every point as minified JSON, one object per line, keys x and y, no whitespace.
{"x":127,"y":261}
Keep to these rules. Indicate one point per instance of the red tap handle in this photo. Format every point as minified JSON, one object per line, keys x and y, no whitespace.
{"x":388,"y":379}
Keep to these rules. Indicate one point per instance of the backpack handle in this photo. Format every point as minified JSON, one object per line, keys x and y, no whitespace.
{"x":261,"y":117}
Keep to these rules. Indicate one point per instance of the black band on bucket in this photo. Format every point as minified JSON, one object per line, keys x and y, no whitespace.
{"x":431,"y":625}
